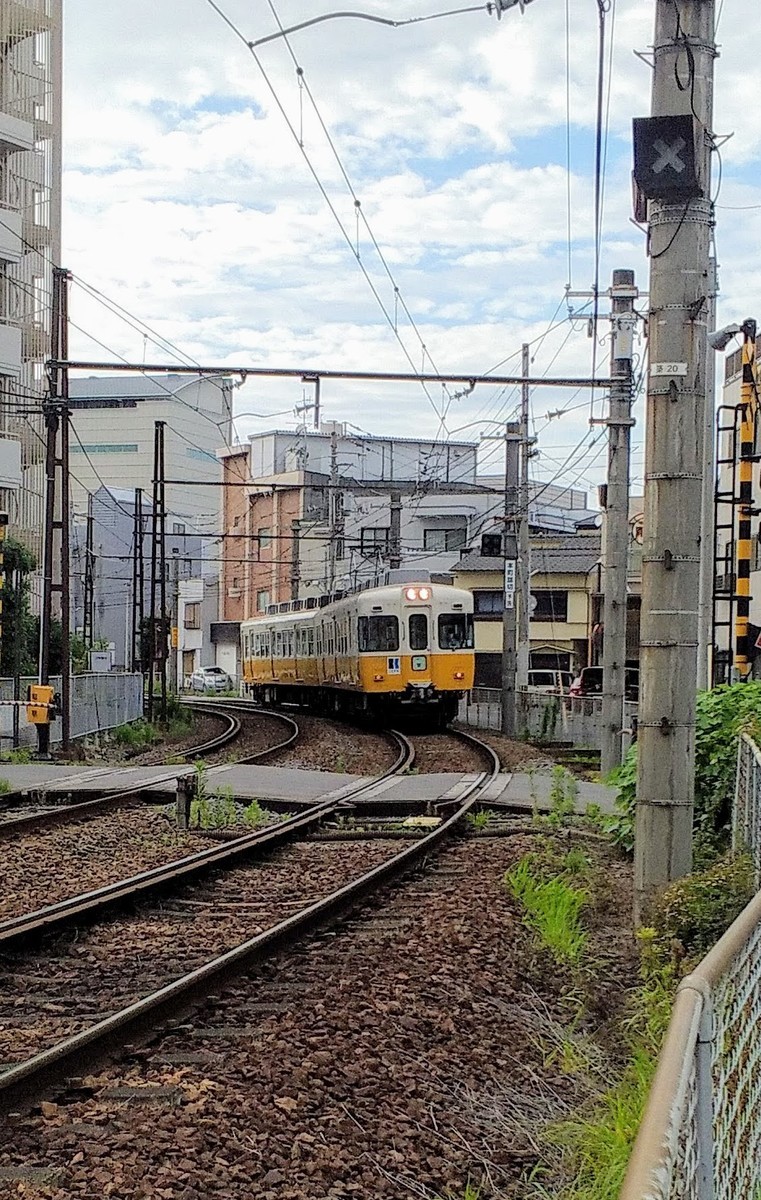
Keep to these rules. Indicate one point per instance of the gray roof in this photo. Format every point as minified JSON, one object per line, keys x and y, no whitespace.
{"x":570,"y":556}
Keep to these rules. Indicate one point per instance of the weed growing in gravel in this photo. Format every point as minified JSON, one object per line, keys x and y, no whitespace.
{"x":137,"y":735}
{"x":478,"y":821}
{"x":563,"y":794}
{"x":552,"y":909}
{"x":5,"y":787}
{"x":595,"y":1146}
{"x":18,"y":757}
{"x":340,"y":766}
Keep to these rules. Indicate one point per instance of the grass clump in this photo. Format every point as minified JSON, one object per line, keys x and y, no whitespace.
{"x":5,"y":787}
{"x":19,"y":757}
{"x":137,"y":735}
{"x":552,"y":909}
{"x":479,"y":820}
{"x":594,"y":1147}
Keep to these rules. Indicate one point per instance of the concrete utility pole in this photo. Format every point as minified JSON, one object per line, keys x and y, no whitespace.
{"x":707,"y":564}
{"x":524,"y":544}
{"x":174,"y":679}
{"x":332,"y":512}
{"x":509,"y":553}
{"x":673,"y":168}
{"x":616,"y":549}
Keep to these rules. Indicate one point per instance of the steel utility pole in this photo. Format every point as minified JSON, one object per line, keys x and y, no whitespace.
{"x":138,"y":584}
{"x":395,"y":533}
{"x":55,"y":553}
{"x":174,"y":682}
{"x":673,"y":169}
{"x":158,"y":613}
{"x":524,"y":544}
{"x":616,"y":549}
{"x":509,"y":553}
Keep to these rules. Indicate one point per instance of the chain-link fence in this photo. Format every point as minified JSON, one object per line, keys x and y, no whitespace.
{"x":700,"y":1137}
{"x":98,"y":702}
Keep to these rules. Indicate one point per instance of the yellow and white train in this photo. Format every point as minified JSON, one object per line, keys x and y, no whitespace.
{"x":380,"y":651}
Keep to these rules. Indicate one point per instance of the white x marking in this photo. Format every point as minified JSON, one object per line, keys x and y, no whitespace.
{"x":668,"y":156}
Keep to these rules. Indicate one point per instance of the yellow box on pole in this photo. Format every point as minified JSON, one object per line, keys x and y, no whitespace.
{"x":39,"y":701}
{"x":175,"y":637}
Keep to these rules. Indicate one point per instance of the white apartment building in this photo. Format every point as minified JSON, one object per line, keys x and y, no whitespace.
{"x":112,"y":439}
{"x":30,"y":224}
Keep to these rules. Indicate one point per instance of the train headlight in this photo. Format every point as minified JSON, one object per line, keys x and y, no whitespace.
{"x":459,"y":674}
{"x":411,"y":594}
{"x":424,"y":593}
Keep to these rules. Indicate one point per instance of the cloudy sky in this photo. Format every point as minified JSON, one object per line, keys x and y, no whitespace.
{"x":189,"y":200}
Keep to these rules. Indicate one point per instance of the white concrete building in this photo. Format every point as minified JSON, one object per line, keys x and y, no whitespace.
{"x":112,"y":439}
{"x":30,"y":223}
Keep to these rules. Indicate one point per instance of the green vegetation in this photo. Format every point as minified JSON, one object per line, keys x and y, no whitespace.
{"x":5,"y":787}
{"x":594,"y":1146}
{"x":479,"y":820}
{"x":695,"y":911}
{"x":722,"y":715}
{"x":138,"y":735}
{"x":18,"y":757}
{"x":552,"y":907}
{"x":563,"y":795}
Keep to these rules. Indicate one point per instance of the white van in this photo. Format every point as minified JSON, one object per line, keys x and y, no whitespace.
{"x":557,"y":682}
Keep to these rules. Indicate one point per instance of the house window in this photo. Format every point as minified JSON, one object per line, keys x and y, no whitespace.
{"x":262,"y":601}
{"x":177,"y":527}
{"x":375,"y":540}
{"x":549,"y":606}
{"x":444,"y":538}
{"x":38,"y":299}
{"x":265,"y":539}
{"x":491,"y":545}
{"x":192,"y":616}
{"x":488,"y":603}
{"x":40,"y":206}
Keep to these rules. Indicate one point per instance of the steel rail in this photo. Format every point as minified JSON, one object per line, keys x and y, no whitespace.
{"x":16,"y":930}
{"x":27,"y":1080}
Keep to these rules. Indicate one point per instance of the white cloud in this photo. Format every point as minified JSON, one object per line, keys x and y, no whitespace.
{"x":187,"y":199}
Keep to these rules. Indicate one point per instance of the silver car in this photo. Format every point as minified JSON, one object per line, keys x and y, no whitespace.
{"x":210,"y":679}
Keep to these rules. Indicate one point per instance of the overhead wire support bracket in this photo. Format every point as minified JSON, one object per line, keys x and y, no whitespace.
{"x":320,"y":373}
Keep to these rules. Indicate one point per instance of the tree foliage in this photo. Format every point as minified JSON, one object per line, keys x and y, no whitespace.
{"x":722,"y":715}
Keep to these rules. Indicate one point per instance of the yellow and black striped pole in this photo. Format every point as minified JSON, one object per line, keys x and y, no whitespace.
{"x":748,"y":415}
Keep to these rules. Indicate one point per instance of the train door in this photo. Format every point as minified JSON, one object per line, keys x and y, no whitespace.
{"x":419,"y":626}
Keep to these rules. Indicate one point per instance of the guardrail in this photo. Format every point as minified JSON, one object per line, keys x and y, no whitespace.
{"x":700,"y":1135}
{"x":544,"y":716}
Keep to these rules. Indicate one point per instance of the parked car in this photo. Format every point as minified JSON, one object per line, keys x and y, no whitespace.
{"x":557,"y":682}
{"x":589,"y":683}
{"x":210,"y":679}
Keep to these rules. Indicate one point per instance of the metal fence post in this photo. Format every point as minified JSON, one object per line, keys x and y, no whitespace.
{"x":704,"y":1087}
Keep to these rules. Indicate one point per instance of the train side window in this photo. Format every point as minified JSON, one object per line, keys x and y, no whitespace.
{"x":378,"y":635}
{"x":456,"y":631}
{"x":418,"y":631}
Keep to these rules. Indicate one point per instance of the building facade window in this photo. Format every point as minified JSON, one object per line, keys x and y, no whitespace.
{"x":491,"y":545}
{"x":376,"y":539}
{"x":262,"y":601}
{"x":178,"y":527}
{"x":192,"y":618}
{"x":265,"y":538}
{"x":488,"y":603}
{"x":443,"y":538}
{"x":106,"y":448}
{"x":549,"y":606}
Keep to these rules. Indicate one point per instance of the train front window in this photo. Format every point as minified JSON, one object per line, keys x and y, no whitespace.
{"x":456,"y":631}
{"x":378,"y":635}
{"x":418,"y":631}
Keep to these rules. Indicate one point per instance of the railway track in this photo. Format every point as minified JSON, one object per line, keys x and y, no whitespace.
{"x":41,"y":1051}
{"x":25,"y":813}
